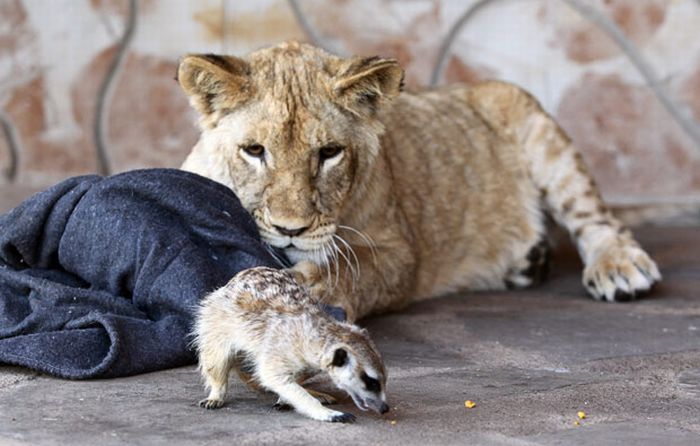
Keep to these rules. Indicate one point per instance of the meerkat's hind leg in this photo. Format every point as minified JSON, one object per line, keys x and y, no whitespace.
{"x":246,"y":374}
{"x":323,"y":398}
{"x":215,"y":369}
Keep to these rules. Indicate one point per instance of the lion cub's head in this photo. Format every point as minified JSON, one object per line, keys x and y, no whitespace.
{"x":293,"y":131}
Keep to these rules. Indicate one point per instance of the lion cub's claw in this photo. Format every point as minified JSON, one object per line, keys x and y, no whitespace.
{"x":620,"y":273}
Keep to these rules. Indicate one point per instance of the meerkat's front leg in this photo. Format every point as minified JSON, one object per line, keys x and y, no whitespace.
{"x":273,"y":377}
{"x":296,"y":396}
{"x":322,"y":398}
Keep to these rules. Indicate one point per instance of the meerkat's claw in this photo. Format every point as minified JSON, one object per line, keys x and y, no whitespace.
{"x":282,"y":406}
{"x":343,"y":417}
{"x":211,"y":404}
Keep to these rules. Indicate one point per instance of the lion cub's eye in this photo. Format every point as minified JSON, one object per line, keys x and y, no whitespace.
{"x":255,"y":150}
{"x":330,"y":151}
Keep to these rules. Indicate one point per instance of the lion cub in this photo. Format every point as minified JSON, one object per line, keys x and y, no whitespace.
{"x":267,"y":327}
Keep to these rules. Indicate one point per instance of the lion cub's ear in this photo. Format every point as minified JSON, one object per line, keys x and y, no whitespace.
{"x":366,"y":82}
{"x":214,"y":83}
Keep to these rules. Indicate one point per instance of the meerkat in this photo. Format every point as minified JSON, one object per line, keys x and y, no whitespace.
{"x":265,"y":325}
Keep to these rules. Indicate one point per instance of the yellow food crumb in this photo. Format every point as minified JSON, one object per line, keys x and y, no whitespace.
{"x":577,"y":423}
{"x":393,"y":422}
{"x":469,"y":404}
{"x":581,"y":414}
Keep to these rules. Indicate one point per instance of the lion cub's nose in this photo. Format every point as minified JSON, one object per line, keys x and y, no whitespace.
{"x":290,"y":232}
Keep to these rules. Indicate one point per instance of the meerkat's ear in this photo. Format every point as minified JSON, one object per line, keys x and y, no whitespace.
{"x":340,"y":358}
{"x":214,"y":84}
{"x":364,"y":83}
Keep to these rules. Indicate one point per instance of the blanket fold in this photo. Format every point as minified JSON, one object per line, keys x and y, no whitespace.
{"x":99,"y":276}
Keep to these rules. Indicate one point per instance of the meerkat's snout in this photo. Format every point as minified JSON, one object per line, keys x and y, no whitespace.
{"x":360,"y":372}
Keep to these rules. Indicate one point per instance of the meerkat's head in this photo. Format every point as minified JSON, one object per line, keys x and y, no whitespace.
{"x":355,"y":366}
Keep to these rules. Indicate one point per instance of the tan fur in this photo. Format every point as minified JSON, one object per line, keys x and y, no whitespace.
{"x":436,"y":191}
{"x":273,"y":333}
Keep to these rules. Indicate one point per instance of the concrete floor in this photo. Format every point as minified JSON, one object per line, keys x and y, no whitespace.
{"x":530,"y":360}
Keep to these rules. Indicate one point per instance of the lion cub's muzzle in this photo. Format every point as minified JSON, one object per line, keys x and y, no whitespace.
{"x":315,"y":245}
{"x":291,"y":232}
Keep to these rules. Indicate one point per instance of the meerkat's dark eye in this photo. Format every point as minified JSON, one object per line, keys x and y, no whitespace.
{"x":256,"y":150}
{"x":340,"y":358}
{"x":330,"y":151}
{"x":371,"y":384}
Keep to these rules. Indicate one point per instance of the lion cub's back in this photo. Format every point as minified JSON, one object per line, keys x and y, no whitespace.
{"x":462,"y":182}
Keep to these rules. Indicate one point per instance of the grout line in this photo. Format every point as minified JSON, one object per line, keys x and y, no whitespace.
{"x":13,"y":145}
{"x":104,"y":93}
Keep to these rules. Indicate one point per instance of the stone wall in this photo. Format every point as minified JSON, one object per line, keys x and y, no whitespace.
{"x":87,"y":85}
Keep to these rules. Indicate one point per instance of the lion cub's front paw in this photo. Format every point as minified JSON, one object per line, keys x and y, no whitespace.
{"x":311,"y":276}
{"x":620,"y":273}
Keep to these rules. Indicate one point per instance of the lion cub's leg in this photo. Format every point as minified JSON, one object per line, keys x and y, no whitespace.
{"x":532,"y":269}
{"x":616,"y":268}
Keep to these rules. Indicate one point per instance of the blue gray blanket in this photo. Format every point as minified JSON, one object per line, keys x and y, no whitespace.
{"x":99,"y":276}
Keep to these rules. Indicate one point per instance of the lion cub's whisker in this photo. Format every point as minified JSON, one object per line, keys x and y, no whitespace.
{"x":270,"y":250}
{"x":352,"y":251}
{"x":334,"y":252}
{"x":326,"y":254}
{"x":370,"y":243}
{"x":348,"y":266}
{"x":354,"y":264}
